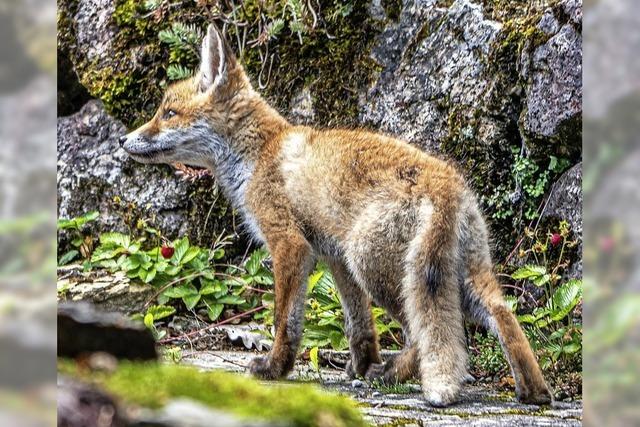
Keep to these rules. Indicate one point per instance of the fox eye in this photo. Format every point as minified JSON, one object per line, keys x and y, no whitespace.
{"x":168,"y":114}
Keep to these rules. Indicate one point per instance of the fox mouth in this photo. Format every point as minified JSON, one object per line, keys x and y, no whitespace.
{"x":149,"y":152}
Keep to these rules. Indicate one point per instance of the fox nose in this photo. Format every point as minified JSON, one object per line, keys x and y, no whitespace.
{"x":122,"y":140}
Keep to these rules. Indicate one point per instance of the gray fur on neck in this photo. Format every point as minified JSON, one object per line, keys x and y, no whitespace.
{"x":233,"y":173}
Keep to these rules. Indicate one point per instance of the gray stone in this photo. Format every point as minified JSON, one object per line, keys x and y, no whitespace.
{"x":81,"y":405}
{"x":565,"y":203}
{"x":553,"y":72}
{"x":93,"y":170}
{"x":94,"y":28}
{"x":108,"y":292}
{"x":189,"y":413}
{"x":565,"y":199}
{"x":82,"y":329}
{"x":422,"y":74}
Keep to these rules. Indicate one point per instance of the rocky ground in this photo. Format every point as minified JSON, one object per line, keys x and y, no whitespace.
{"x":482,"y":404}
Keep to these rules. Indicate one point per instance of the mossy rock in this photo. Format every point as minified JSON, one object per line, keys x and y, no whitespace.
{"x":329,"y":54}
{"x":153,"y":385}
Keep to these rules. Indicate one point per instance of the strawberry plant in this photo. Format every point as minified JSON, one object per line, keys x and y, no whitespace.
{"x":82,"y":244}
{"x":551,"y":326}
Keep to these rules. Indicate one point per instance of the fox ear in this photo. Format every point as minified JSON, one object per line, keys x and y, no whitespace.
{"x":215,"y":60}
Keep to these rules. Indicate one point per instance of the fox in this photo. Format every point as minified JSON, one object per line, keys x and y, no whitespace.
{"x":397,"y":227}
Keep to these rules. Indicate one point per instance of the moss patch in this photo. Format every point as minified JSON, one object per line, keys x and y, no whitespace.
{"x":153,"y":385}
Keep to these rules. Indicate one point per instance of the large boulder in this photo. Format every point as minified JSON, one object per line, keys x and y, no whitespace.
{"x":498,"y":91}
{"x":94,"y":173}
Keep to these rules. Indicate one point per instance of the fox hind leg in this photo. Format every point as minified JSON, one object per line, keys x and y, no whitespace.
{"x":436,"y":328}
{"x":485,"y":302}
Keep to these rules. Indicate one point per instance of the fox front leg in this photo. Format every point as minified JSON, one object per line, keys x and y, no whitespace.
{"x":292,"y":262}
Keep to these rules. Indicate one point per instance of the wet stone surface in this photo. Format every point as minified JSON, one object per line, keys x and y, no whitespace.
{"x":481,"y":404}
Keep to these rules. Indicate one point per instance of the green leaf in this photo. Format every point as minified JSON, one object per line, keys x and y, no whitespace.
{"x":529,"y":271}
{"x":181,"y":291}
{"x":191,"y":253}
{"x":564,"y":299}
{"x":115,"y":239}
{"x":172,"y":270}
{"x":150,"y":275}
{"x":191,"y":300}
{"x":313,"y":280}
{"x":526,"y":318}
{"x":68,"y":257}
{"x":78,"y":222}
{"x":160,"y":311}
{"x":254,"y":262}
{"x":313,"y":357}
{"x":214,"y":311}
{"x":148,"y":320}
{"x":571,"y":348}
{"x":181,"y":247}
{"x":263,"y":278}
{"x":218,"y":253}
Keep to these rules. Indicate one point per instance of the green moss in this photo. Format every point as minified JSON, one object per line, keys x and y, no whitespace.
{"x":332,"y":60}
{"x":153,"y":385}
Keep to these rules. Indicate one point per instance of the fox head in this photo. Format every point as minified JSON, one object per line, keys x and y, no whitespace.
{"x":198,"y":117}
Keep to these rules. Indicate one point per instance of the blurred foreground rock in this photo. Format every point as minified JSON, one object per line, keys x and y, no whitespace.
{"x":82,"y":330}
{"x":82,"y":405}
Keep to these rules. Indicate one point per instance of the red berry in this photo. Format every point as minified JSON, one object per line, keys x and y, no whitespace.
{"x":167,"y":251}
{"x":556,"y":239}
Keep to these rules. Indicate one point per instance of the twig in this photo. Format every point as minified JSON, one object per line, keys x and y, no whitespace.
{"x":223,"y":322}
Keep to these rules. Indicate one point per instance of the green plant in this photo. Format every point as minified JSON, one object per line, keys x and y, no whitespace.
{"x":551,"y":325}
{"x":183,"y":41}
{"x":83,"y":244}
{"x":528,"y":180}
{"x":486,"y":356}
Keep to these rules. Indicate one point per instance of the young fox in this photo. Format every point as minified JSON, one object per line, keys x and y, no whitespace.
{"x":395,"y":225}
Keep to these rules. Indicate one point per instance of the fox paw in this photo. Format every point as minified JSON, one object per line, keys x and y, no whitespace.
{"x":382,"y":373}
{"x":542,"y":396}
{"x":440,"y":395}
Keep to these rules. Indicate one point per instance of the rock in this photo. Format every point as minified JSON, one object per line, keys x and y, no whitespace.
{"x":84,"y":330}
{"x":553,"y":75}
{"x":565,"y":203}
{"x":565,"y":199}
{"x":81,"y":405}
{"x":107,"y":292}
{"x":426,"y":65}
{"x":188,"y":413}
{"x":94,"y":173}
{"x":357,"y":384}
